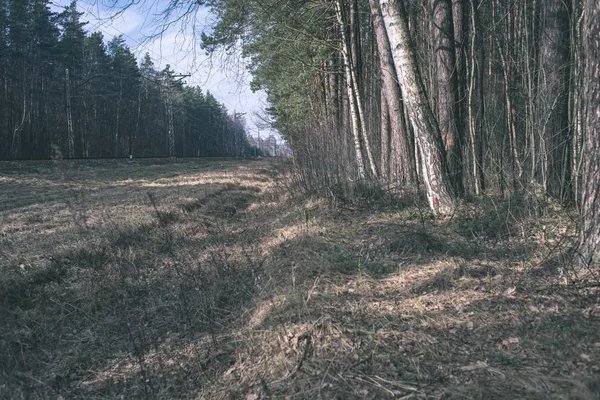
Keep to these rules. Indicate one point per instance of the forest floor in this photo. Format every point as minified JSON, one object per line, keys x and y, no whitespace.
{"x":206,"y":279}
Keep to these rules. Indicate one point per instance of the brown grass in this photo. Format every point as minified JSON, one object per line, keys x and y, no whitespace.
{"x":203,"y":279}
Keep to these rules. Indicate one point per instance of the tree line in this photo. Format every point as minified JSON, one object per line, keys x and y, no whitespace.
{"x":65,"y":91}
{"x":453,"y":98}
{"x":458,"y":98}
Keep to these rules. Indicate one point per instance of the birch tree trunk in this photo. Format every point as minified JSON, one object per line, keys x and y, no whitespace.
{"x":460,"y":19}
{"x":171,"y":129}
{"x":401,"y":161}
{"x":386,"y":140}
{"x":475,"y":121}
{"x":354,"y":118}
{"x":70,"y":134}
{"x":427,"y":134}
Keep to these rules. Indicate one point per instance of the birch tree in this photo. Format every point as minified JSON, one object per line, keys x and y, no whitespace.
{"x":396,"y":156}
{"x":427,"y":134}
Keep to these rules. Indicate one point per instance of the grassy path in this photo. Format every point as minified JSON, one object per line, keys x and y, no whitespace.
{"x":205,"y":279}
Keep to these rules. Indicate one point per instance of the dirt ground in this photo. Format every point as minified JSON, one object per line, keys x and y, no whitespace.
{"x":208,"y":279}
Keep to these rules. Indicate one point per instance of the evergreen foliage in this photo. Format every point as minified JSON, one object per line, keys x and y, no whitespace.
{"x":66,"y":92}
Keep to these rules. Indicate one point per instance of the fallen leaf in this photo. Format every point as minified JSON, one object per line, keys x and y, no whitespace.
{"x":473,"y":367}
{"x":508,"y":341}
{"x":510,"y":291}
{"x":585,"y":357}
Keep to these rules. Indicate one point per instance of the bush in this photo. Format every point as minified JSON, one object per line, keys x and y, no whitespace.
{"x":490,"y":220}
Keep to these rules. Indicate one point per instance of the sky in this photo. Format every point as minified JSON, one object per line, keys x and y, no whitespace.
{"x":178,"y":45}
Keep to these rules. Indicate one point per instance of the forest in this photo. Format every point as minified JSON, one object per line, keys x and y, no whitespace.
{"x":457,"y":98}
{"x":66,"y":91}
{"x":431,"y":231}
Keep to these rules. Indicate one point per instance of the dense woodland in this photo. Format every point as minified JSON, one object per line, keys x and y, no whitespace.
{"x":455,"y":97}
{"x":64,"y":91}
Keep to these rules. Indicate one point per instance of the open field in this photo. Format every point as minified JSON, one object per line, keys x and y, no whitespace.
{"x":205,"y":279}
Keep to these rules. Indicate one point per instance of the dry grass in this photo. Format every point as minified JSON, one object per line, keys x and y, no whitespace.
{"x":203,"y":279}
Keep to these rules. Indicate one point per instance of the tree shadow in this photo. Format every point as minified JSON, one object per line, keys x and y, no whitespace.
{"x":207,"y":300}
{"x":123,"y":298}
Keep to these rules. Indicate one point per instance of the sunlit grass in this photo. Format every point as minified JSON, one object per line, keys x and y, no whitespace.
{"x":207,"y":280}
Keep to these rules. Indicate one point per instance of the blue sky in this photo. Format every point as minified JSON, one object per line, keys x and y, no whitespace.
{"x":178,"y":46}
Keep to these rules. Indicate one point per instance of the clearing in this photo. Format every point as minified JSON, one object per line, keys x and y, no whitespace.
{"x":205,"y":279}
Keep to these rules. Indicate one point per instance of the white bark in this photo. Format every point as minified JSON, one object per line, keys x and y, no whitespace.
{"x":427,"y":133}
{"x":351,"y":98}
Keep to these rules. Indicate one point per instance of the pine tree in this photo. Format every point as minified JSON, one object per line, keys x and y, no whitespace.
{"x":124,"y":84}
{"x":588,"y":248}
{"x":43,"y":72}
{"x":96,"y":96}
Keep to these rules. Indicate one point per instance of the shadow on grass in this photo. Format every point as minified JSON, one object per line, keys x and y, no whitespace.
{"x":38,"y":183}
{"x":123,"y":300}
{"x":197,"y":304}
{"x":369,"y":344}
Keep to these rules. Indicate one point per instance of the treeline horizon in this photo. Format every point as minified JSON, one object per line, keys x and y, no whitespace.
{"x":65,"y":92}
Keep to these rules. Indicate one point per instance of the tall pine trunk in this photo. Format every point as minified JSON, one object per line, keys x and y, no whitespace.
{"x":588,"y":246}
{"x":553,"y":97}
{"x":446,"y":84}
